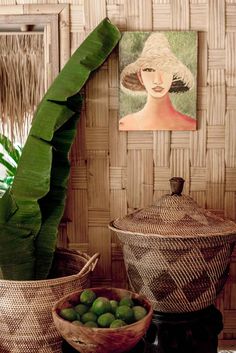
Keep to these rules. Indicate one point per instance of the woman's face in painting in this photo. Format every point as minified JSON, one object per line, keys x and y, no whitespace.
{"x":156,"y":82}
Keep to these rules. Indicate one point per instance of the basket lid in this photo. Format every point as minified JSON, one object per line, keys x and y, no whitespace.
{"x":175,"y":215}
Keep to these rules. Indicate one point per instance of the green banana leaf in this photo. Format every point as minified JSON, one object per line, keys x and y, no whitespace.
{"x":11,"y":150}
{"x":10,"y":155}
{"x":31,"y":211}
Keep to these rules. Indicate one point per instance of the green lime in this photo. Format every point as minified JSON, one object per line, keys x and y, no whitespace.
{"x":117,"y":323}
{"x":77,"y":323}
{"x":68,"y":314}
{"x":126,"y":301}
{"x":125,"y":313}
{"x":101,"y":305}
{"x":105,"y":320}
{"x":114,"y":305}
{"x":78,"y":316}
{"x":87,"y":297}
{"x":139,"y":312}
{"x":81,"y":309}
{"x":89,"y":316}
{"x":90,"y":324}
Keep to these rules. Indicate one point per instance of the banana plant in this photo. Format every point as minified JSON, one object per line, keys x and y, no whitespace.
{"x":9,"y":159}
{"x":31,"y":210}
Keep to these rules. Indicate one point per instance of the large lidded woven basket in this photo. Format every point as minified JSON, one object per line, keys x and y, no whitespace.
{"x":176,"y":253}
{"x":26,"y":323}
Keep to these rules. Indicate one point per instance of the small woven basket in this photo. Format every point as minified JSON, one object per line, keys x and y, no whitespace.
{"x":26,"y":324}
{"x":176,"y":253}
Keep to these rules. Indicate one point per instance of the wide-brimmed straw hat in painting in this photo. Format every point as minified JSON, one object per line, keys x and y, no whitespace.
{"x":156,"y":54}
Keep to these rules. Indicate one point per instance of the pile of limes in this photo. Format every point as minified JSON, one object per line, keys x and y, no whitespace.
{"x":102,"y":312}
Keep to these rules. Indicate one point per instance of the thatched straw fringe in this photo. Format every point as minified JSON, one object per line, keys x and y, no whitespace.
{"x":22,"y":82}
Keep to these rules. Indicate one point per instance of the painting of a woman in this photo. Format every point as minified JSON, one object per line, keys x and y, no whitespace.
{"x":157,"y":72}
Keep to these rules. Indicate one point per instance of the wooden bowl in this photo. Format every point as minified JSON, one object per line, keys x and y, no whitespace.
{"x":102,"y":340}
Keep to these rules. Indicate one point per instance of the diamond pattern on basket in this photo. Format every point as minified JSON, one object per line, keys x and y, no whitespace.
{"x":194,"y":289}
{"x":211,"y":252}
{"x":173,"y":255}
{"x":135,"y":277}
{"x":135,"y":250}
{"x":162,"y":285}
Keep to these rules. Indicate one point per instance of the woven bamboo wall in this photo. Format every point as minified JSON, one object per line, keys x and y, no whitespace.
{"x":115,"y":172}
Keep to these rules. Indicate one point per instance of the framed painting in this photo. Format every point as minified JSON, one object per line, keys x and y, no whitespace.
{"x":158,"y":77}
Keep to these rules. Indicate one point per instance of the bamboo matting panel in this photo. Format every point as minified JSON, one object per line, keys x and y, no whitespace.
{"x":116,"y":172}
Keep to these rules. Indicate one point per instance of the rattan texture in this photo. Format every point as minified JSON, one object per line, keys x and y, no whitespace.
{"x":176,"y":253}
{"x":26,"y":323}
{"x":175,"y":216}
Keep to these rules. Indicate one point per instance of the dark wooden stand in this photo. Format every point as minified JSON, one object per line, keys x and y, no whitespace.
{"x":195,"y":332}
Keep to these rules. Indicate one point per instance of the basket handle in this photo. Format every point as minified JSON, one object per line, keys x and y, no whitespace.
{"x":92,"y":261}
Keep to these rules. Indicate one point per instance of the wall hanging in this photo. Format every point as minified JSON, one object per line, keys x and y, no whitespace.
{"x":158,"y":80}
{"x":22,"y":83}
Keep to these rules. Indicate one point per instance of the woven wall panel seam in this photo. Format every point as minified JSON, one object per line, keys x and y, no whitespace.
{"x":216,"y":136}
{"x":139,"y":183}
{"x":115,"y":9}
{"x":78,"y":213}
{"x":230,"y":64}
{"x":140,"y":141}
{"x":118,"y":204}
{"x":98,"y":182}
{"x":100,"y":241}
{"x":94,"y":11}
{"x":97,"y":98}
{"x":230,"y":179}
{"x":198,"y":16}
{"x":98,"y":218}
{"x":230,"y":17}
{"x":216,"y":58}
{"x":97,"y":138}
{"x":216,"y":105}
{"x":231,"y":98}
{"x":117,"y":142}
{"x":216,"y":27}
{"x":198,"y":141}
{"x":216,"y":77}
{"x":161,"y":16}
{"x":215,"y":196}
{"x":161,"y":178}
{"x":161,"y":146}
{"x":230,"y":141}
{"x":113,"y":74}
{"x":134,"y":16}
{"x":118,"y":178}
{"x":180,"y":14}
{"x":77,"y":20}
{"x":78,"y":177}
{"x":113,"y":99}
{"x":197,"y":179}
{"x":180,"y":139}
{"x":215,"y":166}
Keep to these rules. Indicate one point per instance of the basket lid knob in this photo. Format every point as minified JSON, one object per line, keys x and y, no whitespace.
{"x":176,"y":185}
